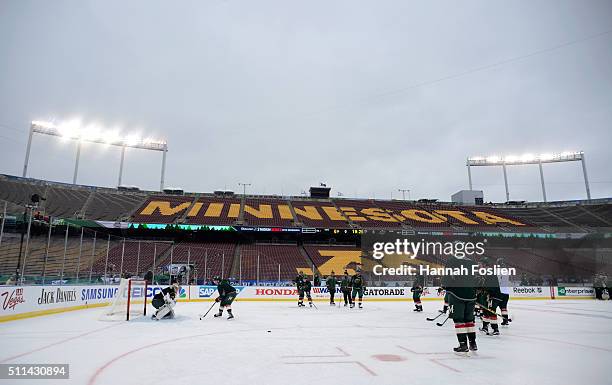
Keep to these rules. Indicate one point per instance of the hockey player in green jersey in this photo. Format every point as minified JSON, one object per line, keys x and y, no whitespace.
{"x":227,"y":294}
{"x":306,"y":287}
{"x":345,"y":287}
{"x":490,"y":285}
{"x":461,"y":298}
{"x":359,"y":286}
{"x":299,"y":283}
{"x":417,"y":290}
{"x":331,"y":283}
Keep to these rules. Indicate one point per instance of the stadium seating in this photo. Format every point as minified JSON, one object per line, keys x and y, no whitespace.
{"x":86,"y":202}
{"x":131,"y":257}
{"x":111,"y":206}
{"x":352,"y":209}
{"x":77,"y":259}
{"x":267,"y":212}
{"x":271,"y":257}
{"x":311,"y":213}
{"x":209,"y":259}
{"x":171,"y":208}
{"x":328,"y":258}
{"x":217,"y":214}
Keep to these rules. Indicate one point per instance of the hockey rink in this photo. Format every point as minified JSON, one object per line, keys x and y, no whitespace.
{"x":549,"y":342}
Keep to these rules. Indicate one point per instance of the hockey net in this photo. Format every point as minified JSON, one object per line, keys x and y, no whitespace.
{"x":129,"y":302}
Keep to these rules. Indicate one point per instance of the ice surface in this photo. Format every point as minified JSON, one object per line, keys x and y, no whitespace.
{"x":549,"y":342}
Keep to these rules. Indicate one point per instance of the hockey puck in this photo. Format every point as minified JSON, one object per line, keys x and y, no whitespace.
{"x":269,"y":331}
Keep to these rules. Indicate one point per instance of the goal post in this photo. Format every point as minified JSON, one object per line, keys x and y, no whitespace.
{"x":135,"y":298}
{"x":130,"y":301}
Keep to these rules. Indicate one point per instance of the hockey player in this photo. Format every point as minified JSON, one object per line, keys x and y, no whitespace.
{"x":481,"y":298}
{"x":504,"y":288}
{"x":345,"y":287}
{"x":417,"y":290}
{"x":299,"y":284}
{"x":227,"y":294}
{"x":359,"y":286}
{"x":445,"y":307}
{"x":164,"y":302}
{"x":490,"y":284}
{"x":461,"y":298}
{"x":331,"y":282}
{"x":306,"y":287}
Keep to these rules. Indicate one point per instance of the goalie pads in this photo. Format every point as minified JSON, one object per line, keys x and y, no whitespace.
{"x":167,"y":310}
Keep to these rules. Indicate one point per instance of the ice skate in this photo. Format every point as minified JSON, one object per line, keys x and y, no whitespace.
{"x":462,"y":348}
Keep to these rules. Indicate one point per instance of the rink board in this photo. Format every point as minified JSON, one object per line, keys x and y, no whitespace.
{"x":20,"y":302}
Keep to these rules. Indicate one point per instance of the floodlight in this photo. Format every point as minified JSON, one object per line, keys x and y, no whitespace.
{"x":509,"y":160}
{"x":74,"y":130}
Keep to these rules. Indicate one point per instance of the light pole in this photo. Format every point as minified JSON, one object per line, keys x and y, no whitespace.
{"x":244,"y":186}
{"x":404,"y":191}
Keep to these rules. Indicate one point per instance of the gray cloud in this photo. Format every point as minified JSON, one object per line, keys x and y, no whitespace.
{"x":287,"y":94}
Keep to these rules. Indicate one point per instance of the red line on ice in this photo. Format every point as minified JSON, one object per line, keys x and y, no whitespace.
{"x":56,"y":343}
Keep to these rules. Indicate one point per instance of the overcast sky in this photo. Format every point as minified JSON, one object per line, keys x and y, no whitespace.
{"x":367,"y":96}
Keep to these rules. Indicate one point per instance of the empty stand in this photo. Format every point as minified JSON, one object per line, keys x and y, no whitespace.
{"x":209,"y":259}
{"x":162,"y":209}
{"x":111,"y":206}
{"x":213,"y":211}
{"x":312,"y":213}
{"x":271,"y":258}
{"x":267,"y":212}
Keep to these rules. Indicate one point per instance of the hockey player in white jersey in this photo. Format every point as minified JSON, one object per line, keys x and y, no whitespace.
{"x":504,"y":288}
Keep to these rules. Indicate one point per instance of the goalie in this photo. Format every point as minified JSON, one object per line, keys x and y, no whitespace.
{"x":164,"y":302}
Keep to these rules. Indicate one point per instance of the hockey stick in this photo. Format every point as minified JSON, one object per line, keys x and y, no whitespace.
{"x":435,"y":318}
{"x":443,"y":322}
{"x":208,"y":311}
{"x":491,"y":311}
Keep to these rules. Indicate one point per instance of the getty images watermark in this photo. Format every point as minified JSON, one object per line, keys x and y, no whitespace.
{"x":405,"y":247}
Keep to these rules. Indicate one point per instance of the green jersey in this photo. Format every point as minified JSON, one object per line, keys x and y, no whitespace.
{"x":345,"y":283}
{"x":462,"y":287}
{"x":357,"y":281}
{"x":331,"y":283}
{"x":224,"y":288}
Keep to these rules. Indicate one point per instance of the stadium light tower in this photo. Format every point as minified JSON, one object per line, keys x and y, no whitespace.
{"x":73,"y":130}
{"x":511,"y":160}
{"x":404,"y":191}
{"x":244,"y":186}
